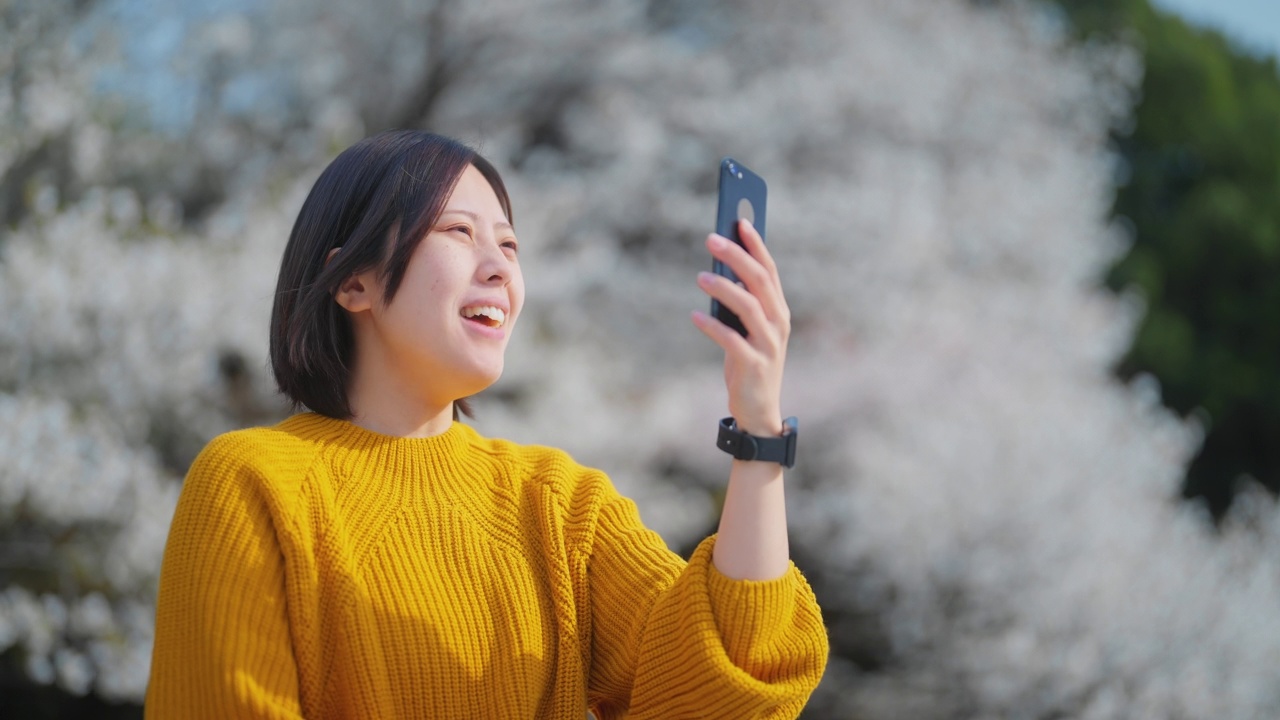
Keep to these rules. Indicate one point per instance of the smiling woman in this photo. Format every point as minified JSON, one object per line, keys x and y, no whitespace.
{"x":383,"y":210}
{"x":375,"y":558}
{"x":458,"y":299}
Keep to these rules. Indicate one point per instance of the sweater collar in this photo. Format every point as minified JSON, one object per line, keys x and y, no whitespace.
{"x":440,"y":463}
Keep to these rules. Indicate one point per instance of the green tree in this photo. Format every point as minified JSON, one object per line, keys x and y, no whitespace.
{"x":1203,"y":195}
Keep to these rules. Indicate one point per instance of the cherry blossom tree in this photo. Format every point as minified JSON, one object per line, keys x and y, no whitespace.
{"x":989,"y":517}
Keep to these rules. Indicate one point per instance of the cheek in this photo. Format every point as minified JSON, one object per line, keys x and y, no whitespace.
{"x":436,"y":274}
{"x":517,"y":293}
{"x":423,"y":298}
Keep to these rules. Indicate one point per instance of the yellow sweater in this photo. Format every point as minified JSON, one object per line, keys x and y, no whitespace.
{"x":316,"y":569}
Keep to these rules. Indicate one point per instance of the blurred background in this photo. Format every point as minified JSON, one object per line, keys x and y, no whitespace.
{"x":1032,"y":251}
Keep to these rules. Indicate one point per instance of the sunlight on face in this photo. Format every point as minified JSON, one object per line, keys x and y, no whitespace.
{"x":447,"y":328}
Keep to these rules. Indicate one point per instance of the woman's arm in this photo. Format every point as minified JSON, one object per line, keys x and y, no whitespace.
{"x":673,"y":640}
{"x":752,"y":540}
{"x":737,"y":632}
{"x":223,"y":648}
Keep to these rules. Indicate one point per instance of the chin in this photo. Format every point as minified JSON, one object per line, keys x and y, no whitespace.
{"x":479,"y":379}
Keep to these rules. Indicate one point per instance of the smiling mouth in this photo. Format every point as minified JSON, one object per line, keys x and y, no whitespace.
{"x":486,"y":315}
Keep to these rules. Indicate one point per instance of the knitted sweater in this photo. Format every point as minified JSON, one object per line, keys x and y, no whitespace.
{"x":316,"y":569}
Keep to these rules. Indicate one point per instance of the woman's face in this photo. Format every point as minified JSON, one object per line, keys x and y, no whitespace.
{"x":447,"y":328}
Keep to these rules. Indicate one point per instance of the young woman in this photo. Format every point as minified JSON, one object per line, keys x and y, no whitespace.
{"x":376,"y":558}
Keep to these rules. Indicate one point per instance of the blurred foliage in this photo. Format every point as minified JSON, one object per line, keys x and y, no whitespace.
{"x":1201,"y":187}
{"x":33,"y":701}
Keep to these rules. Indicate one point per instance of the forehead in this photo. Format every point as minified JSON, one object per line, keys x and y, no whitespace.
{"x":474,"y":195}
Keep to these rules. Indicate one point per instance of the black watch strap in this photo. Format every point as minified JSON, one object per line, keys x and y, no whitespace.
{"x":742,"y":446}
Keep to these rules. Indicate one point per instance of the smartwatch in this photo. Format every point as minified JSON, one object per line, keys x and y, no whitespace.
{"x":743,"y":446}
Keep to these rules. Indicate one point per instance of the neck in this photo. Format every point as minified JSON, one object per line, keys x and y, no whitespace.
{"x":401,"y":420}
{"x":382,"y":402}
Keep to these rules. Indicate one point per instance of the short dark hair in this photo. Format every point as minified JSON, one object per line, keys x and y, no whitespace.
{"x":388,"y":189}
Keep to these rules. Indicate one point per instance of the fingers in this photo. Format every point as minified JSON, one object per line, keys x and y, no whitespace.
{"x":766,"y":335}
{"x":755,"y":267}
{"x":737,"y":299}
{"x":749,"y":270}
{"x":726,"y":337}
{"x":755,"y":246}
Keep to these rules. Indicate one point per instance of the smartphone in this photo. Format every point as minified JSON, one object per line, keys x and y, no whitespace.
{"x":742,"y":195}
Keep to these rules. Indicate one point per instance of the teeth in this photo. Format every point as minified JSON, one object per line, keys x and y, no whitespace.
{"x":493,"y":313}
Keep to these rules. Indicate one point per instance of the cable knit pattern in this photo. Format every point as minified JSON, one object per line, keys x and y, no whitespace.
{"x":319,"y":570}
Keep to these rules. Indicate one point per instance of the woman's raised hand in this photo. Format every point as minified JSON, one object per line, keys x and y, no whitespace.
{"x":752,"y":364}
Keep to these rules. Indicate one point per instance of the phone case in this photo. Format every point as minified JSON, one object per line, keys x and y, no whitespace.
{"x":738,"y":185}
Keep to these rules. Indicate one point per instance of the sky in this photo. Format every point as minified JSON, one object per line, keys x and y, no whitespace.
{"x":1254,"y":24}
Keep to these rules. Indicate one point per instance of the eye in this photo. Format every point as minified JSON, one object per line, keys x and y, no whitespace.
{"x":512,"y":245}
{"x":464,"y":229}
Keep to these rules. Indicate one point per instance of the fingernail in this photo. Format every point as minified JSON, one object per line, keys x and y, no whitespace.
{"x":705,"y":278}
{"x":717,"y":242}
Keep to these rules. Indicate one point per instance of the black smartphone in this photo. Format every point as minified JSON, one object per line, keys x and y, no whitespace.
{"x":742,"y":195}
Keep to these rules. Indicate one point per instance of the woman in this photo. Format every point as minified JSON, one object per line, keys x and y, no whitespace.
{"x":375,"y":558}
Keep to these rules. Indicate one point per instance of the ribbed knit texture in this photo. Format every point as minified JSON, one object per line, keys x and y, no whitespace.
{"x":319,"y":570}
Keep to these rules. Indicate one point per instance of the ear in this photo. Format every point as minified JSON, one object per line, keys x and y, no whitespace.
{"x":356,"y":293}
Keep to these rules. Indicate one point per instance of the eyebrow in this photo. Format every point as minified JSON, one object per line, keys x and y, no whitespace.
{"x":475,"y":218}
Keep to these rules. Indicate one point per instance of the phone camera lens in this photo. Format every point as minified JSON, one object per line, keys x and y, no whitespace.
{"x":739,"y":176}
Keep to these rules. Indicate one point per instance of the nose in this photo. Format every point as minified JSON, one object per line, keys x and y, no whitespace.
{"x":494,"y":267}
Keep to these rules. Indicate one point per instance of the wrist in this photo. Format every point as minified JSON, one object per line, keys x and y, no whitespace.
{"x":761,"y":427}
{"x":767,"y":423}
{"x":745,"y":445}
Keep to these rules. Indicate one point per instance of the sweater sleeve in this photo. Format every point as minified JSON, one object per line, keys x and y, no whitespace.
{"x":677,"y":640}
{"x":222,"y":642}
